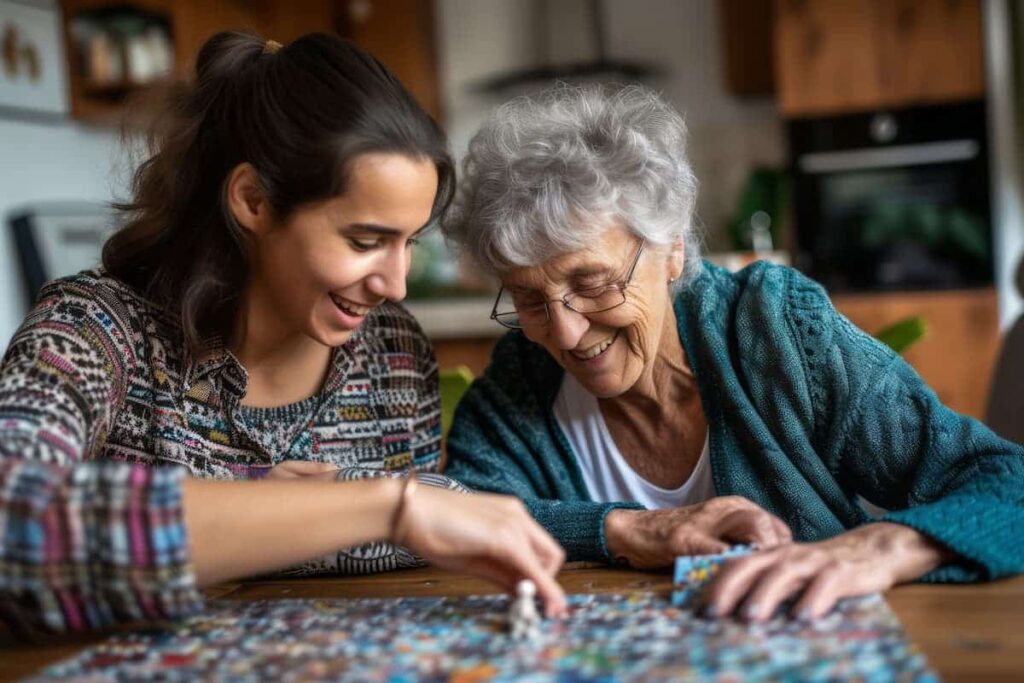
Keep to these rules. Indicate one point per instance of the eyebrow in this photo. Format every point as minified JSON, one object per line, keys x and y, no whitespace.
{"x":383,"y":230}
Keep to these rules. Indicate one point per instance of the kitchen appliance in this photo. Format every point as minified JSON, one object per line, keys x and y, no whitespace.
{"x":893,"y":200}
{"x":55,"y":239}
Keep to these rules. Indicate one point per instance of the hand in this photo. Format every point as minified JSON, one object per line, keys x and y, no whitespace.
{"x":648,"y":539}
{"x":300,"y":469}
{"x":868,"y":559}
{"x":491,"y":536}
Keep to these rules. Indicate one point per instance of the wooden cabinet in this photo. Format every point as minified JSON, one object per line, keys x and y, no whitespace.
{"x":400,"y":33}
{"x":844,"y":55}
{"x":747,"y":39}
{"x":191,"y":23}
{"x":957,"y":356}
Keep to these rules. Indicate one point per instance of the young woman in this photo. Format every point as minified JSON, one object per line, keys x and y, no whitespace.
{"x":244,"y":326}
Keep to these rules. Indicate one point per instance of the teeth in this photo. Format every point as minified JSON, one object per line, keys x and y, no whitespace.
{"x":593,"y":351}
{"x":349,"y":307}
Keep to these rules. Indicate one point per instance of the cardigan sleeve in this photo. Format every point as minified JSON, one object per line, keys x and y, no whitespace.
{"x":91,"y":545}
{"x":502,"y":441}
{"x":944,"y":474}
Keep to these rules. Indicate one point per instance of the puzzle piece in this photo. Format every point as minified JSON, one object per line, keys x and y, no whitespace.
{"x":693,"y":572}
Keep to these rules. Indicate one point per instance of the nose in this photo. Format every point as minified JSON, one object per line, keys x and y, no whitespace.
{"x":388,"y":279}
{"x":566,"y":326}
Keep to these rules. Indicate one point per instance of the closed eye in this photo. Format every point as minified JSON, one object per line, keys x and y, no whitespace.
{"x":363,"y":245}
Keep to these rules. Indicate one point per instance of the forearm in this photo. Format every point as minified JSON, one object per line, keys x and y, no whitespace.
{"x":245,"y":528}
{"x":87,"y":546}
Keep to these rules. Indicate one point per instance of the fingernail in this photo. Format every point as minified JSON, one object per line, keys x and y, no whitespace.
{"x":752,"y":611}
{"x":804,"y":615}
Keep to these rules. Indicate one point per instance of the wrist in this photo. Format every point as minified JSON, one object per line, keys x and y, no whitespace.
{"x":910,"y":553}
{"x":401,"y":512}
{"x":617,"y":523}
{"x":385,"y":496}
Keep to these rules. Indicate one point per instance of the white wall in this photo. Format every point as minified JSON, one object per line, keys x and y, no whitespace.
{"x":42,"y":162}
{"x":480,"y":38}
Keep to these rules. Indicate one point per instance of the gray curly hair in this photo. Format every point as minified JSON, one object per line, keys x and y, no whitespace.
{"x":548,"y":174}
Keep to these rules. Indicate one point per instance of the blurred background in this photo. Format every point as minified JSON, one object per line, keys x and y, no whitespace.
{"x":874,"y":144}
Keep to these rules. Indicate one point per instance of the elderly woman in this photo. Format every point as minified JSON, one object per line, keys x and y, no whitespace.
{"x":649,"y":405}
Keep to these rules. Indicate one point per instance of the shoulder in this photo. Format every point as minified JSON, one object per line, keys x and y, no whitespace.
{"x":802,"y":307}
{"x":768,"y":301}
{"x":90,"y":303}
{"x":785,"y":332}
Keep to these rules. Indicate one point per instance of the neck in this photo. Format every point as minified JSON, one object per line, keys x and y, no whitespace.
{"x":284,"y":365}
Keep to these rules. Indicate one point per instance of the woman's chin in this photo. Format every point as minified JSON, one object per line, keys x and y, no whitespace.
{"x":603,"y":385}
{"x":330,"y":335}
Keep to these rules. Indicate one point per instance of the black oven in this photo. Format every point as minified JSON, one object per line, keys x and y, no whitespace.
{"x":893,"y":200}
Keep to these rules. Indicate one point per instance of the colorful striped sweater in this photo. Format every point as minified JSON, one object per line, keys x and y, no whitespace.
{"x":97,"y":382}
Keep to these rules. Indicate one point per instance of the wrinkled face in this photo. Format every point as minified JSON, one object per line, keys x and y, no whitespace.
{"x":331,"y":262}
{"x":606,"y":352}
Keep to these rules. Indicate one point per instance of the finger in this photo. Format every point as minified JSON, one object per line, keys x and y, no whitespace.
{"x":733,"y":583}
{"x":822,"y":593}
{"x":775,"y":585}
{"x":748,"y":526}
{"x":549,"y":553}
{"x":522,"y":559}
{"x":696,"y":544}
{"x":782,"y":530}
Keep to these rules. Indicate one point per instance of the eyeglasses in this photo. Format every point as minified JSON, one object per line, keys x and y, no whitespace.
{"x":517,"y":312}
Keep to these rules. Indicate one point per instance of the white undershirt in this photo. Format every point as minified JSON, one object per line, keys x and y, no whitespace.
{"x":608,"y":476}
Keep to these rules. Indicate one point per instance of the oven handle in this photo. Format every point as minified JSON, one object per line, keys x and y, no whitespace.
{"x":922,"y":154}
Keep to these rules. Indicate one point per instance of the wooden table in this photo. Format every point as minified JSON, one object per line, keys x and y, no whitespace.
{"x":969,"y":633}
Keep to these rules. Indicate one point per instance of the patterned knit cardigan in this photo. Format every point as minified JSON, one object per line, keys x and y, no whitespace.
{"x":805,"y":414}
{"x":96,"y":390}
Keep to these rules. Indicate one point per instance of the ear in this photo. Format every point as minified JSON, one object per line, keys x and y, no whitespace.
{"x":246,"y":200}
{"x":676,"y":261}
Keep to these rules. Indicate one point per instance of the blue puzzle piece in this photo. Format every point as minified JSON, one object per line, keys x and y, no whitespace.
{"x":693,"y":572}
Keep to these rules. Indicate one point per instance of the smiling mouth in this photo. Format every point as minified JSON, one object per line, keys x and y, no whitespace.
{"x":596,"y":350}
{"x":349,"y":307}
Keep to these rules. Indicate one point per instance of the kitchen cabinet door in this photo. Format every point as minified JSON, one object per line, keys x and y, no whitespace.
{"x":400,"y":33}
{"x":931,"y":51}
{"x":827,"y":56}
{"x":837,"y":56}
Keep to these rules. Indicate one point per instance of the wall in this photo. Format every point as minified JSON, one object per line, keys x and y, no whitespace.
{"x":44,"y":162}
{"x":480,"y":38}
{"x":1005,"y":74}
{"x":728,"y":135}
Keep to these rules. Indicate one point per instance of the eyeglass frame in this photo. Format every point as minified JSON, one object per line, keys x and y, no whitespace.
{"x":621,"y":285}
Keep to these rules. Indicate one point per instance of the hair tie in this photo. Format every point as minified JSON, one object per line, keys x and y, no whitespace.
{"x":271,"y":47}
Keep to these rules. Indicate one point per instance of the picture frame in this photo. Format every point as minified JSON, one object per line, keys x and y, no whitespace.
{"x":33,"y":67}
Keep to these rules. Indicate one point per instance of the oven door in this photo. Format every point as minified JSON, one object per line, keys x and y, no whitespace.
{"x":894,"y":201}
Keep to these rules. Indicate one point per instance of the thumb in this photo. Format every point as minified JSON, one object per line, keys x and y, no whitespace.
{"x":700,"y":544}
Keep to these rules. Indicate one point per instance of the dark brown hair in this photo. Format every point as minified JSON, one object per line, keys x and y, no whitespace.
{"x":300,"y":115}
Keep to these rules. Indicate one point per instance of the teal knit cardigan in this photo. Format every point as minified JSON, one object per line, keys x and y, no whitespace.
{"x":805,"y":413}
